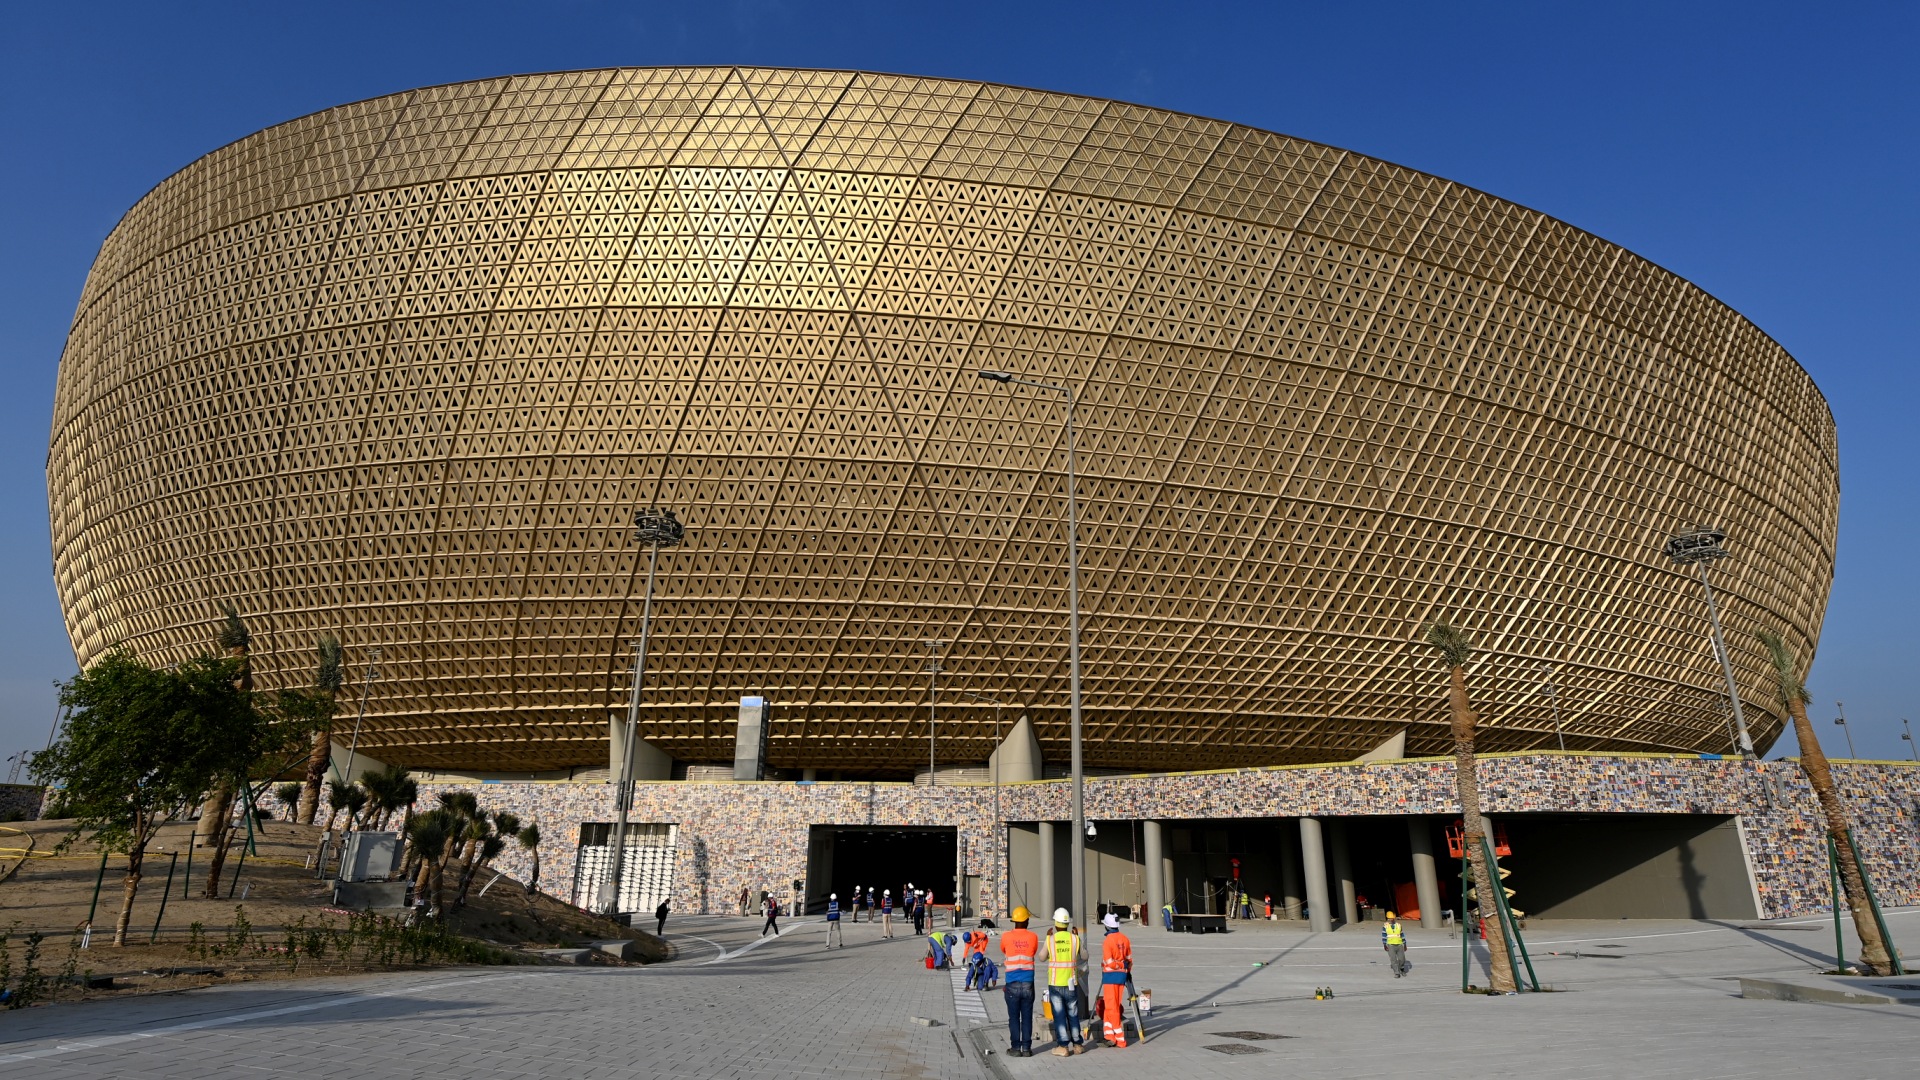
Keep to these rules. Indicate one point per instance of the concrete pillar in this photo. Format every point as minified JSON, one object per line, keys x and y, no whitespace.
{"x":650,"y":763}
{"x":1313,"y":858}
{"x":1291,"y":898}
{"x":1043,"y":915}
{"x":1426,"y":878}
{"x":1017,"y":758}
{"x":1343,"y":874}
{"x":1155,"y":870}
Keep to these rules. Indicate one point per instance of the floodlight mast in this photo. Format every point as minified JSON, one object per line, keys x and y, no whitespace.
{"x":1696,"y":547}
{"x":657,"y":529}
{"x":1080,"y":912}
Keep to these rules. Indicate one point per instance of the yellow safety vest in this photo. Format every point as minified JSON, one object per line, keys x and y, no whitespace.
{"x":1394,"y":936}
{"x":1062,"y":967}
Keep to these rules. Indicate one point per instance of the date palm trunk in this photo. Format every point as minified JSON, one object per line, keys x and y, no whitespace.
{"x":317,"y":763}
{"x":1813,"y":761}
{"x":1467,"y":780}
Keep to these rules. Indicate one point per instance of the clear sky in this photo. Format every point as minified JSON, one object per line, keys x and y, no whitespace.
{"x":1764,"y":150}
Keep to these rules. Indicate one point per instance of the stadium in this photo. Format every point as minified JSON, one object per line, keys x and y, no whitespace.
{"x":405,"y":370}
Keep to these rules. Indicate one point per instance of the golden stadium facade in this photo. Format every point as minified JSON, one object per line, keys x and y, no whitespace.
{"x":403,"y":370}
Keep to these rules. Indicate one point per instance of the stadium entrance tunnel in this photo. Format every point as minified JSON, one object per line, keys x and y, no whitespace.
{"x":841,"y":858}
{"x":1562,"y":866}
{"x":1628,"y":866}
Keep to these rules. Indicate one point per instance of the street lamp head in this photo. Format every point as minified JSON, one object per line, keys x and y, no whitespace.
{"x":1693,"y":545}
{"x":996,"y":376}
{"x":658,"y":527}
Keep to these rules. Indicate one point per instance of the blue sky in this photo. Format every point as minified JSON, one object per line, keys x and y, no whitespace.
{"x":1765,"y":151}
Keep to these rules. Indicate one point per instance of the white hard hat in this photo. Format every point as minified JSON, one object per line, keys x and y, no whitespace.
{"x":1061,"y":917}
{"x":1111,"y":922}
{"x":833,"y":896}
{"x":886,"y":892}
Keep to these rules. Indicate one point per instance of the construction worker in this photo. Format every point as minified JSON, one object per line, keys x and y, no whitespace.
{"x":886,"y":913}
{"x":1246,"y":906}
{"x":858,"y":902}
{"x":1394,"y":940}
{"x":772,"y":907}
{"x":833,"y":921}
{"x":1269,"y":899}
{"x":1063,"y":955}
{"x":1018,"y":946}
{"x":1116,"y":968}
{"x":1167,"y":912}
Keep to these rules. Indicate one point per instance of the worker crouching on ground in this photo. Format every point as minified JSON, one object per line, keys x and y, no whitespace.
{"x":940,"y":948}
{"x":1394,"y":940}
{"x":1116,"y":969}
{"x":1063,"y":985}
{"x":1019,"y":946}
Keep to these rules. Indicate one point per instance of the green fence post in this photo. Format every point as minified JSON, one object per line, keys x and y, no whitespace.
{"x":186,"y":881}
{"x":1506,"y":912}
{"x":1500,"y":909}
{"x":97,"y":879}
{"x":1873,"y":902}
{"x":1833,"y":876}
{"x":164,"y":893}
{"x":1466,"y":942}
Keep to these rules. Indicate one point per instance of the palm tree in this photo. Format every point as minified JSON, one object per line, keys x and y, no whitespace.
{"x":289,"y":796}
{"x":216,"y":814}
{"x":1455,"y":650}
{"x":388,"y":790}
{"x":341,"y":796}
{"x":1792,"y":693}
{"x":427,"y":837}
{"x":529,"y":839}
{"x":326,"y":684}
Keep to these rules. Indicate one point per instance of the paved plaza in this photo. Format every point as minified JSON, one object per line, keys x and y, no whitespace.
{"x":1639,"y":999}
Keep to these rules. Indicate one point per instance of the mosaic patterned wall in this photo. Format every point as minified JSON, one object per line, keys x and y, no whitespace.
{"x":402,"y":370}
{"x":735,"y":834}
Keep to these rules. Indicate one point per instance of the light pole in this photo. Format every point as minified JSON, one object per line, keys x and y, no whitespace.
{"x":933,"y":687}
{"x":656,"y":529}
{"x":1550,"y":673}
{"x":1696,"y":547}
{"x":1846,"y":727}
{"x":1908,"y":735}
{"x":1073,"y":653}
{"x":999,"y":871}
{"x":373,"y":659}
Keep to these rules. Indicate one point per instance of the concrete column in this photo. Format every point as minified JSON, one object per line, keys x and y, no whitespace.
{"x":1343,"y":874}
{"x":1426,"y":879}
{"x":1043,"y":915}
{"x":1313,"y":858}
{"x":1155,"y":870}
{"x":1290,"y":895}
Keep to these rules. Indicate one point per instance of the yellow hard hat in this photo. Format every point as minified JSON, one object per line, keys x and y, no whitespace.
{"x":1021,"y":914}
{"x":1391,"y":915}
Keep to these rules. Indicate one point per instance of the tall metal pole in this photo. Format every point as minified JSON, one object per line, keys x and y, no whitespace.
{"x":1908,"y":735}
{"x":1073,"y":653}
{"x":1726,"y":665}
{"x":373,"y":660}
{"x":1846,"y":727}
{"x":656,"y":529}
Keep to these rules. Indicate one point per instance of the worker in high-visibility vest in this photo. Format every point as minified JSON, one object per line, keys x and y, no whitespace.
{"x":1116,"y":967}
{"x":1062,"y":954}
{"x":1394,"y":940}
{"x":1167,"y":912}
{"x":1019,"y":945}
{"x":886,"y":913}
{"x":833,"y":921}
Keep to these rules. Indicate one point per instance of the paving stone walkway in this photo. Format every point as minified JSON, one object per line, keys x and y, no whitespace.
{"x":1638,"y":999}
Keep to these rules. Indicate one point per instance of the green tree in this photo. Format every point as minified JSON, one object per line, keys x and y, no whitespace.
{"x":340,"y":796}
{"x":1793,"y":696}
{"x":1455,"y":650}
{"x":392,"y":788}
{"x":326,"y":687}
{"x":140,"y":741}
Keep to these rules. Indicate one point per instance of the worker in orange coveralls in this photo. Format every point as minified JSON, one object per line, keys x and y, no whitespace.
{"x":1116,"y":967}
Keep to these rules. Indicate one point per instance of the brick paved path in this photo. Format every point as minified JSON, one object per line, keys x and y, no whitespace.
{"x":741,"y":1008}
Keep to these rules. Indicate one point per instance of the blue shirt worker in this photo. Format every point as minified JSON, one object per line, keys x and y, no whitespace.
{"x":833,"y":921}
{"x":886,"y":913}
